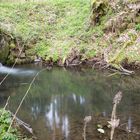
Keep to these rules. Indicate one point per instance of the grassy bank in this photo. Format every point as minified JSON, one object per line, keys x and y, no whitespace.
{"x":62,"y":31}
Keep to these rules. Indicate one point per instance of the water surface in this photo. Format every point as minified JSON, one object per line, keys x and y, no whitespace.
{"x":60,"y":99}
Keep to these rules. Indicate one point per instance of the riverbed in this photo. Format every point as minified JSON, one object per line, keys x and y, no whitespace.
{"x":60,"y":99}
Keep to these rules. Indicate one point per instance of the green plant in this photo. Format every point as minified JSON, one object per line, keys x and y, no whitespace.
{"x":9,"y":136}
{"x":5,"y":120}
{"x":138,"y":27}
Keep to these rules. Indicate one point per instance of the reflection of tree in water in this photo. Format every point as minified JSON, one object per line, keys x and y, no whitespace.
{"x":59,"y":100}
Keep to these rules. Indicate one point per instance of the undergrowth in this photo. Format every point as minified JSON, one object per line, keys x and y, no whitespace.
{"x":5,"y":119}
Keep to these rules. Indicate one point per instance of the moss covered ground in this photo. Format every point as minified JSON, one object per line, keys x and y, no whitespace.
{"x":65,"y":31}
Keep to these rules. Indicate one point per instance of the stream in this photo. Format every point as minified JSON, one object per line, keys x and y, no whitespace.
{"x":60,"y":99}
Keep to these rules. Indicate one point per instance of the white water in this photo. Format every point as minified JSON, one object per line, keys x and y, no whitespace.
{"x":15,"y":71}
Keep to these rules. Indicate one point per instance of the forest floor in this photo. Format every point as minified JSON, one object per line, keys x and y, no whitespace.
{"x":72,"y":32}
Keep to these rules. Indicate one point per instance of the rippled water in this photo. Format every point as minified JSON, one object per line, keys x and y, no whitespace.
{"x":60,"y":99}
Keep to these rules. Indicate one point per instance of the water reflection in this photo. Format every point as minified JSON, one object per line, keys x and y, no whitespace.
{"x":59,"y":100}
{"x":129,"y":124}
{"x":57,"y":121}
{"x":54,"y":118}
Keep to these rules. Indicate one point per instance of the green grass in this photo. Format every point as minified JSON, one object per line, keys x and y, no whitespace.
{"x":58,"y":27}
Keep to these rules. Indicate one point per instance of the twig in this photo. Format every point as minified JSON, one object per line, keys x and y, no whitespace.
{"x":6,"y":103}
{"x":115,"y":73}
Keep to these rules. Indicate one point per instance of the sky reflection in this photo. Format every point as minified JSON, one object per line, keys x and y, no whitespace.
{"x":55,"y":117}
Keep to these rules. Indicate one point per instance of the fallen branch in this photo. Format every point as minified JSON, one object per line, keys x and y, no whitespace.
{"x":121,"y":72}
{"x":75,"y":64}
{"x":25,"y":125}
{"x":125,"y":70}
{"x":6,"y":103}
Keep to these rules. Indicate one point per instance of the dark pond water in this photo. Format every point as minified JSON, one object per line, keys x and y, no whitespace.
{"x":60,"y":99}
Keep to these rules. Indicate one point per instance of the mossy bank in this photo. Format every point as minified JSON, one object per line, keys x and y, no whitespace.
{"x":69,"y":32}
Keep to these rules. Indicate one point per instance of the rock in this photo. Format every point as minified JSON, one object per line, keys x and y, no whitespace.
{"x":101,"y":130}
{"x":4,"y":47}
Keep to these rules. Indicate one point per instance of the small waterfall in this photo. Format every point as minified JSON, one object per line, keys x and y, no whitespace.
{"x":15,"y":71}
